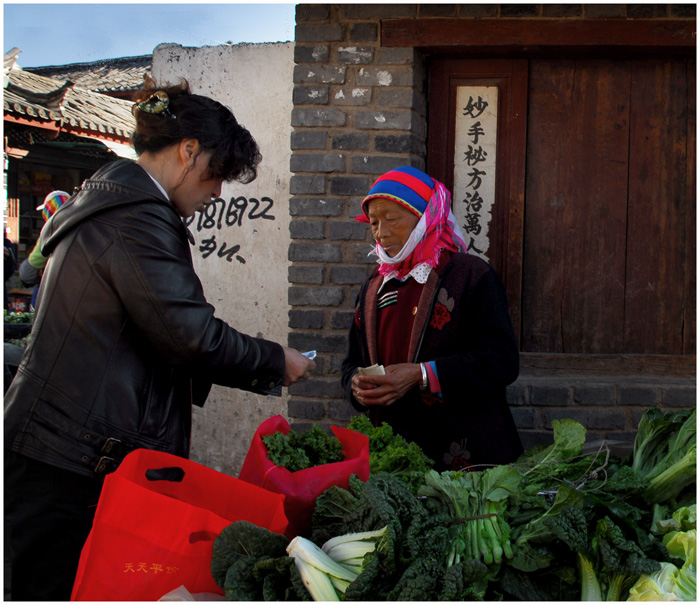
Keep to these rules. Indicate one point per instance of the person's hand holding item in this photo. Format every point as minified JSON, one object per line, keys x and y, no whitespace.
{"x":296,"y":366}
{"x":385,"y":389}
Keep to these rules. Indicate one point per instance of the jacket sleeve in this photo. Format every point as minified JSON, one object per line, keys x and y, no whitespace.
{"x":487,"y":357}
{"x":352,"y":361}
{"x":152,"y":271}
{"x":28,"y":274}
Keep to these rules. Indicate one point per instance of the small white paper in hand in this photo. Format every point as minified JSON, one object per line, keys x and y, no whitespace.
{"x":375,"y":370}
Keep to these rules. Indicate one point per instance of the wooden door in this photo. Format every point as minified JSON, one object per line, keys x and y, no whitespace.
{"x":607,"y":208}
{"x":598,"y":236}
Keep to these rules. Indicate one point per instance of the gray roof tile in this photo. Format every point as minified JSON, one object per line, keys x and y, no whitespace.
{"x":75,"y":109}
{"x":125,"y":74}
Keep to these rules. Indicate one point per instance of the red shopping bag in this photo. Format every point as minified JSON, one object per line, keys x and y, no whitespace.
{"x":301,"y":488}
{"x":155,"y":524}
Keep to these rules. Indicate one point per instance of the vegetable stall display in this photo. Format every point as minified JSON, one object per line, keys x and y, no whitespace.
{"x":17,"y":327}
{"x":556,"y":525}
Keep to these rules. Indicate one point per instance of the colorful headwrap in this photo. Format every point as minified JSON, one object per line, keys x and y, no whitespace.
{"x":406,"y":185}
{"x":436,"y":230}
{"x":52,"y":202}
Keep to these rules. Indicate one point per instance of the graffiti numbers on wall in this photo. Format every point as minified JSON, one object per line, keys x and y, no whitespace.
{"x":211,"y":228}
{"x":476,"y":130}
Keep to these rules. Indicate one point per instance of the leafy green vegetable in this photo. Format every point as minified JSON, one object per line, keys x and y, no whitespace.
{"x":585,"y":515}
{"x":607,"y":560}
{"x":476,"y":502}
{"x":250,"y":563}
{"x":539,"y":529}
{"x":382,"y":501}
{"x":411,"y":563}
{"x":391,"y":453}
{"x":324,"y":578}
{"x":556,"y":525}
{"x":682,"y":545}
{"x":653,"y":432}
{"x":680,"y":538}
{"x":17,"y":317}
{"x":569,"y":437}
{"x":297,"y":451}
{"x":355,"y":550}
{"x":426,"y":575}
{"x":553,"y":584}
{"x":666,"y":584}
{"x":664,"y":452}
{"x":464,"y":581}
{"x":682,"y":519}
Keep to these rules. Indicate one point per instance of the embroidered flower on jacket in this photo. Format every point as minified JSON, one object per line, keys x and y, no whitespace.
{"x":458,"y":456}
{"x":357,"y":317}
{"x":430,"y":398}
{"x":443,"y":310}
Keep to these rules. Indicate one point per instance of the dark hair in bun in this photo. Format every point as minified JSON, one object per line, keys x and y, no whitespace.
{"x":167,"y":115}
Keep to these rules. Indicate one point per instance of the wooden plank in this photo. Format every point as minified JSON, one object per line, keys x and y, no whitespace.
{"x":514,"y":175}
{"x":656,"y":253}
{"x":658,"y":366}
{"x":547,"y":173}
{"x":690,"y":303}
{"x":441,"y":117}
{"x":595,"y":214}
{"x":531,"y":34}
{"x":576,"y":207}
{"x":506,"y":226}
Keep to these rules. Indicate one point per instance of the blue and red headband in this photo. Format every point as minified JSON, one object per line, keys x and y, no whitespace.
{"x":406,"y":185}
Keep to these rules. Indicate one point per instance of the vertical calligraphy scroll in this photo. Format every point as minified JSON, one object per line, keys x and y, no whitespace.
{"x":476,"y":131}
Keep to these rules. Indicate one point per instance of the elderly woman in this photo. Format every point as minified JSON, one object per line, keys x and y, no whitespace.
{"x":437,"y":319}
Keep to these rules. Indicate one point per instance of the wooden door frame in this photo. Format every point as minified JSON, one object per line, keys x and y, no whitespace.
{"x":450,"y":39}
{"x":505,"y":251}
{"x":497,"y":37}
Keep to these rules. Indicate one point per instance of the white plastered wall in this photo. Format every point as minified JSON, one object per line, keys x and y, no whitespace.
{"x":249,"y":291}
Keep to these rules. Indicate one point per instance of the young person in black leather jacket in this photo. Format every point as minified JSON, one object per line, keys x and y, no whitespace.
{"x":124,"y":341}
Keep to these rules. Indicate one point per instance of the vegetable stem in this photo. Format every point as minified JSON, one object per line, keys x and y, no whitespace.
{"x":590,"y":587}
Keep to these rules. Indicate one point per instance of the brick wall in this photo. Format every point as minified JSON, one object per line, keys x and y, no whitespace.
{"x":610,"y":408}
{"x":360,"y":110}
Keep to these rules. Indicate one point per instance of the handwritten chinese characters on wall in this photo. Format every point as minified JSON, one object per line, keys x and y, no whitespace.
{"x":218,"y":217}
{"x":476,"y":132}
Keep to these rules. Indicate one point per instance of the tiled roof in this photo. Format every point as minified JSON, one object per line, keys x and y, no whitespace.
{"x":25,"y":138}
{"x":107,"y":76}
{"x":29,"y":97}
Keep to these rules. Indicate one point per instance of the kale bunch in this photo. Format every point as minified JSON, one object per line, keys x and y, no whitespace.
{"x":412,"y":562}
{"x":250,"y":563}
{"x":298,"y":451}
{"x":391,"y":453}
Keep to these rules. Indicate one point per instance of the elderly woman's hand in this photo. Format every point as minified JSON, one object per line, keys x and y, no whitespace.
{"x":386,"y":389}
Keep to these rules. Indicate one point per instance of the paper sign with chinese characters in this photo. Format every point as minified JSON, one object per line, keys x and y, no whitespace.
{"x":476,"y":134}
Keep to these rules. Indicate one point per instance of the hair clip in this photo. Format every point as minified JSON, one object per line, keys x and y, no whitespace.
{"x":157,"y":103}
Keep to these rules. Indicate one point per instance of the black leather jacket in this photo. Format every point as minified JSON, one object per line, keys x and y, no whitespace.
{"x":124,"y":342}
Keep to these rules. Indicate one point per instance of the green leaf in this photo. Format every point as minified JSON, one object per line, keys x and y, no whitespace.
{"x":529,"y":558}
{"x":569,"y":437}
{"x":499,"y":482}
{"x":244,"y":543}
{"x":537,"y":528}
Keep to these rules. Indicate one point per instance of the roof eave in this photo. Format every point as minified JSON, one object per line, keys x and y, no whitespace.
{"x":46,"y":125}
